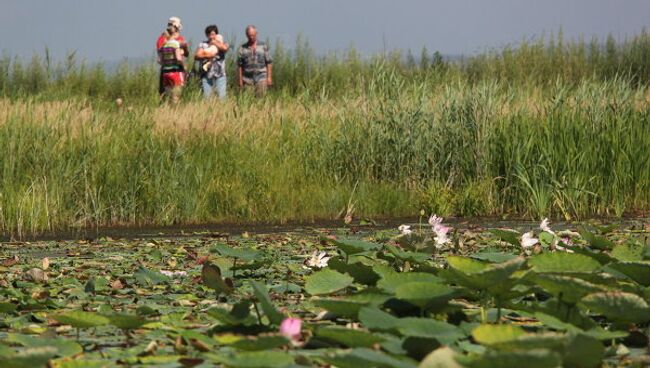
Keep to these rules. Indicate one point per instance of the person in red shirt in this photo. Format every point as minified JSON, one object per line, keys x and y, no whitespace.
{"x":172,"y":22}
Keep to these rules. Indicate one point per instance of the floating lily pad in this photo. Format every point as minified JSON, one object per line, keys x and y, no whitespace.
{"x":390,"y":282}
{"x":493,"y":277}
{"x":430,"y":328}
{"x":538,"y":358}
{"x":125,"y":321}
{"x":245,"y":254}
{"x":342,"y":307}
{"x":327,"y":282}
{"x":63,"y":347}
{"x":561,"y":262}
{"x":352,"y":247}
{"x":349,"y":337}
{"x":81,"y":319}
{"x":426,"y":295}
{"x":596,"y":241}
{"x":509,"y":236}
{"x":375,"y":319}
{"x":628,"y":252}
{"x":583,"y":351}
{"x":414,"y":257}
{"x":363,"y":357}
{"x":260,"y":343}
{"x":566,"y":288}
{"x":29,"y":358}
{"x":360,"y":273}
{"x":443,"y":357}
{"x":7,"y":307}
{"x":493,"y":257}
{"x":148,"y":277}
{"x":496,"y":334}
{"x":255,"y":359}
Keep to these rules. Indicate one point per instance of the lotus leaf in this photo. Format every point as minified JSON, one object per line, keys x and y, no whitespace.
{"x":327,"y":282}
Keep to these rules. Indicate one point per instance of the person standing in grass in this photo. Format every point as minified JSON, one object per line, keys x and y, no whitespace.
{"x":172,"y":22}
{"x":255,"y":68}
{"x":171,"y":57}
{"x":212,"y":55}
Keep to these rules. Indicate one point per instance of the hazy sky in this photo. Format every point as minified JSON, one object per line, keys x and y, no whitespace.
{"x":114,"y":29}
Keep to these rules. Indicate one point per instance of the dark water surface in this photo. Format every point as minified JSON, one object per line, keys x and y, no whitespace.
{"x":236,"y":229}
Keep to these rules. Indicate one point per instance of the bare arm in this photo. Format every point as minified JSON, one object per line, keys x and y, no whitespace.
{"x":269,"y":74}
{"x":240,"y":74}
{"x":179,"y":56}
{"x":204,"y":54}
{"x":222,"y":46}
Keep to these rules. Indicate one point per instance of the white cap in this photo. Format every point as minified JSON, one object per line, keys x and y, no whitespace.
{"x":176,"y":22}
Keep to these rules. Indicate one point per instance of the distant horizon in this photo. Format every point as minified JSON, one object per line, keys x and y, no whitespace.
{"x":142,"y":59}
{"x":113,"y":31}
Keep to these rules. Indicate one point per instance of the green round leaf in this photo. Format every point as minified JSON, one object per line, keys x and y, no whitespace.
{"x":443,"y":357}
{"x":260,"y":343}
{"x":327,"y":282}
{"x":244,"y":254}
{"x":637,"y":271}
{"x":583,"y":351}
{"x":81,"y":319}
{"x":126,"y":321}
{"x":565,"y":288}
{"x":257,"y":359}
{"x":7,"y":307}
{"x":618,"y":306}
{"x":352,"y":247}
{"x":29,"y":358}
{"x":348,"y":337}
{"x":64,"y":347}
{"x":496,"y":334}
{"x":425,"y":294}
{"x":538,"y":358}
{"x":390,"y":282}
{"x":561,"y":262}
{"x":430,"y":328}
{"x":628,"y":252}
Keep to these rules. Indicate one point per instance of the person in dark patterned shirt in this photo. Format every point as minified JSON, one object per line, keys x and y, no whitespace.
{"x":255,"y":64}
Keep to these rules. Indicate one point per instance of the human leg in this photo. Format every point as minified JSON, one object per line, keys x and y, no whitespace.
{"x":207,"y":87}
{"x":220,"y":84}
{"x":260,"y":88}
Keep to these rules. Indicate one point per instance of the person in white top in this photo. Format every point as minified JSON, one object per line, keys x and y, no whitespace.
{"x":212,"y":56}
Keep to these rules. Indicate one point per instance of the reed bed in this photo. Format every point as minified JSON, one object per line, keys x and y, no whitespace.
{"x":544,"y":129}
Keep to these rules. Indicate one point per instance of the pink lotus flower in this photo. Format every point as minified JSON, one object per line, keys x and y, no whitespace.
{"x":435,"y":221}
{"x":440,"y":230}
{"x":291,"y":328}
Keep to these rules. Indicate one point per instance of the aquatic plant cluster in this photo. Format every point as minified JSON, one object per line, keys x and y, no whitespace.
{"x":576,"y":297}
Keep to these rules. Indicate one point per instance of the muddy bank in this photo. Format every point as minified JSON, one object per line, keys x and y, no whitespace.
{"x":227,"y":229}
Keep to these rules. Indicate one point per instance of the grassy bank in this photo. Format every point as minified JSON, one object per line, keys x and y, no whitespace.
{"x":377,"y":137}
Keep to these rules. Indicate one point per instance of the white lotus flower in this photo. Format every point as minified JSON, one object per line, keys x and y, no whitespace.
{"x":441,"y":236}
{"x":527,"y":240}
{"x":544,"y":226}
{"x":318,"y":260}
{"x":173,"y":274}
{"x":405,"y":229}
